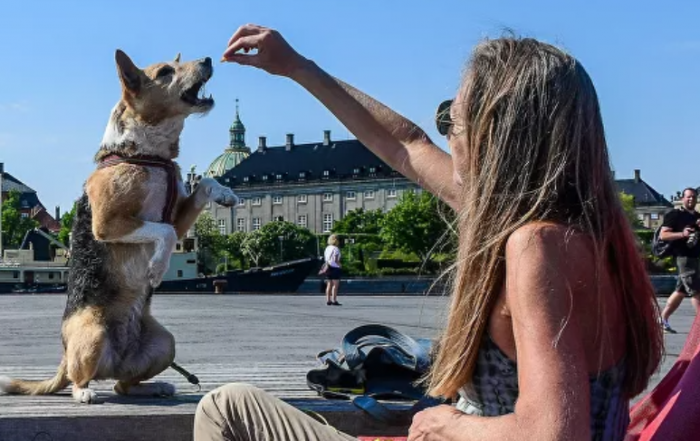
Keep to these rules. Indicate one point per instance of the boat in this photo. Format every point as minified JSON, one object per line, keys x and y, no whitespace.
{"x":42,"y":264}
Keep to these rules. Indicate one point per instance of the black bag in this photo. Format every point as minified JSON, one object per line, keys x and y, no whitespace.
{"x":659,"y":247}
{"x":374,"y":362}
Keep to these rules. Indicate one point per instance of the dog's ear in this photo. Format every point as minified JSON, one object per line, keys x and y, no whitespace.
{"x":177,"y":59}
{"x":129,"y":74}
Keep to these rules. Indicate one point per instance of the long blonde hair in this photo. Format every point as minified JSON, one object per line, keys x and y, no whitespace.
{"x":536,"y":151}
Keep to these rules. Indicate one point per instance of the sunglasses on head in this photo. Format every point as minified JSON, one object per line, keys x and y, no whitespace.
{"x":443,"y":121}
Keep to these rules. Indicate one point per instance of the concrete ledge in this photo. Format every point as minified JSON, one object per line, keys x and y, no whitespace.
{"x":178,"y":426}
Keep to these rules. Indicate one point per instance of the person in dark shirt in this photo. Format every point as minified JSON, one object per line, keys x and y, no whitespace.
{"x":681,"y":227}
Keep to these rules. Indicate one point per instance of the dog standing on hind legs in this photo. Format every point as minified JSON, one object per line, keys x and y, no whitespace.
{"x":133,"y":210}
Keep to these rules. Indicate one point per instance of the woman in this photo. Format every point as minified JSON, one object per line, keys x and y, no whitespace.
{"x":332,"y":258}
{"x":553,"y":323}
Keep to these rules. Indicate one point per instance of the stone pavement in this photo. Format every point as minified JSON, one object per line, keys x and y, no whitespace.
{"x":270,"y":341}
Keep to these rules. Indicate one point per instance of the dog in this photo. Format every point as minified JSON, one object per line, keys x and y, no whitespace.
{"x":133,"y":209}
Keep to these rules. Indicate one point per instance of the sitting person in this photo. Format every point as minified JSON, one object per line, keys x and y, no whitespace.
{"x":553,"y":323}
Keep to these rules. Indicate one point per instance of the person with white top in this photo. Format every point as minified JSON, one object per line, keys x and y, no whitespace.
{"x":332,"y":258}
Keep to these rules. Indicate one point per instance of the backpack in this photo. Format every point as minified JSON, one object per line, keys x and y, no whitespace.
{"x":659,"y":247}
{"x":374,"y":362}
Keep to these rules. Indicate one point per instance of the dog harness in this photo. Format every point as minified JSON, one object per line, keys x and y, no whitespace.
{"x":150,"y":161}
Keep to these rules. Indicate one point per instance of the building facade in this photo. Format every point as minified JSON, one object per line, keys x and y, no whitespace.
{"x":649,"y":204}
{"x":312,"y":185}
{"x":30,"y":205}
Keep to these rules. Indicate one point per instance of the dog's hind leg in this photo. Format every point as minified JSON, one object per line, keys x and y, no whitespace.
{"x":156,"y":354}
{"x":85,"y":339}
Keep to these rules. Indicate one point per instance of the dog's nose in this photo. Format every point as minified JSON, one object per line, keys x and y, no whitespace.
{"x":207,"y":62}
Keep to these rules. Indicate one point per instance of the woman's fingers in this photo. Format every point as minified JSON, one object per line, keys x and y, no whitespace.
{"x":246,"y":43}
{"x":249,"y":29}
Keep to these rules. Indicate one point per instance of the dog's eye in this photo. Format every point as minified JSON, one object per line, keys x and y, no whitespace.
{"x":165,"y":71}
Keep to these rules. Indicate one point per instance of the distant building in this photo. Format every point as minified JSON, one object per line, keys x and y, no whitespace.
{"x":234,"y":153}
{"x":312,"y":185}
{"x":30,"y":205}
{"x":649,"y":204}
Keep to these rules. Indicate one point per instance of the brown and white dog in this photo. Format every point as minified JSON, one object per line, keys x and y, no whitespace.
{"x":128,"y":220}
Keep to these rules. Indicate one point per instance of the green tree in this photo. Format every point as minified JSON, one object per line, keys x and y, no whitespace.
{"x":627,"y":201}
{"x":417,"y":224}
{"x":14,"y":226}
{"x":66,"y":226}
{"x":232,"y":248}
{"x":264,"y":247}
{"x":360,"y":221}
{"x":209,"y":242}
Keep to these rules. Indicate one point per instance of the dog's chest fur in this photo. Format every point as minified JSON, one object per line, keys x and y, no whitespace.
{"x":157,"y":192}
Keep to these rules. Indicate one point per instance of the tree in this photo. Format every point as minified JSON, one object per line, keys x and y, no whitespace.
{"x":209,"y":242}
{"x":417,"y":224}
{"x":14,"y":225}
{"x":359,"y":221}
{"x":232,"y":247}
{"x":627,"y":201}
{"x":66,"y":226}
{"x":264,"y":246}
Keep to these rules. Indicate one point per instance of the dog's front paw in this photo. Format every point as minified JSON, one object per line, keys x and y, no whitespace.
{"x":156,"y":271}
{"x":225,"y":196}
{"x":216,"y":192}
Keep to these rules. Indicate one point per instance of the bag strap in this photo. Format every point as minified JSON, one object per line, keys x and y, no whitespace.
{"x":375,"y":334}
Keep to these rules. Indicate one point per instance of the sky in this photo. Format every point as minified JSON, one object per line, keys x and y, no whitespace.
{"x":58,"y":79}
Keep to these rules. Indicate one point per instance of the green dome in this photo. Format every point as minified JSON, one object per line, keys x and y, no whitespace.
{"x":225,"y":162}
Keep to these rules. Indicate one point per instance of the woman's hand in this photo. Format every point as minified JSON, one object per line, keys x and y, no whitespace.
{"x":274,"y":55}
{"x":434,"y":424}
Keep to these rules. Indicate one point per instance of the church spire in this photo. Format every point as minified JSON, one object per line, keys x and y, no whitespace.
{"x":237,"y":132}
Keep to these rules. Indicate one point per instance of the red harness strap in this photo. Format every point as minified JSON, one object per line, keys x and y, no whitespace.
{"x":150,"y":161}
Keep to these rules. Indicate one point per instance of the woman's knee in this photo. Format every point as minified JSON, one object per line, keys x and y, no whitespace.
{"x":229,"y":396}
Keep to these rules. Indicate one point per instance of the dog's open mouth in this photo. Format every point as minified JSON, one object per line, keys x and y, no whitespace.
{"x":195,"y":95}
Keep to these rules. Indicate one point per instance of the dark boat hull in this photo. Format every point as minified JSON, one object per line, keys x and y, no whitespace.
{"x":283,"y":278}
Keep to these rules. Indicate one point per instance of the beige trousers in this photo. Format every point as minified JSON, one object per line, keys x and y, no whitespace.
{"x":240,"y":412}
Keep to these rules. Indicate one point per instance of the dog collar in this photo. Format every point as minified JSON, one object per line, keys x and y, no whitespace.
{"x":150,"y":161}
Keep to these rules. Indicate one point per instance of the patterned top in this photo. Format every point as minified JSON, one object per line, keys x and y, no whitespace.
{"x":494,"y":391}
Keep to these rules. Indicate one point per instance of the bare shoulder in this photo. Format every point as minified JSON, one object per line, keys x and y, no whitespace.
{"x":547,"y":239}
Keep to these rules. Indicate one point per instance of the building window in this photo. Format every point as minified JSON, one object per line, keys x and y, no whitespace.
{"x":654,"y":216}
{"x":350,"y":195}
{"x":327,"y":197}
{"x":278,"y":177}
{"x":264,"y":177}
{"x":326,"y":173}
{"x":327,"y":222}
{"x":302,"y":175}
{"x":24,"y":215}
{"x":222,"y":226}
{"x":640,"y":216}
{"x":301,"y":220}
{"x":301,"y":199}
{"x":256,"y":223}
{"x":179,"y":273}
{"x":240,"y":224}
{"x":277,"y":200}
{"x":279,"y":218}
{"x":369,"y":194}
{"x":372,"y":171}
{"x":241,"y":201}
{"x":391,"y":193}
{"x":246,"y":179}
{"x":257,"y":201}
{"x":355,"y":171}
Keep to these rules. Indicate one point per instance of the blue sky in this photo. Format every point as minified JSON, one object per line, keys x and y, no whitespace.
{"x":58,"y":81}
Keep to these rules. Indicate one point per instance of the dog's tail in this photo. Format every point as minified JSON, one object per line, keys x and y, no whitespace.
{"x":42,"y":387}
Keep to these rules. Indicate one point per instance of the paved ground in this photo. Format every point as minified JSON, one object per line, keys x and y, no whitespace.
{"x":242,"y":331}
